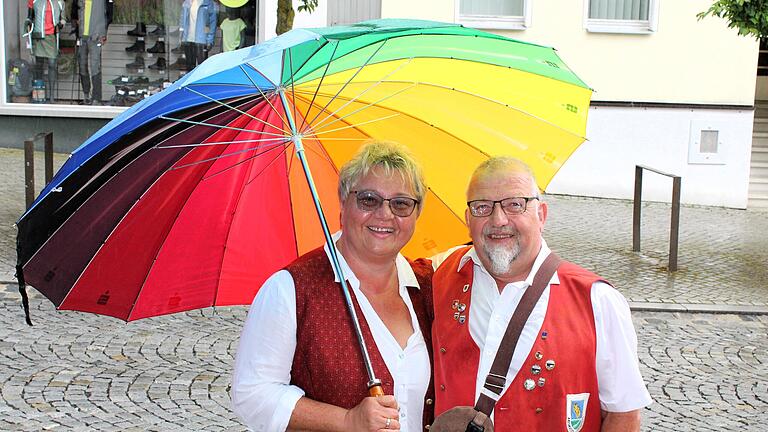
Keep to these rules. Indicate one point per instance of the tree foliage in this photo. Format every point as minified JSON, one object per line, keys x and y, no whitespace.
{"x":285,"y":13}
{"x":750,"y":17}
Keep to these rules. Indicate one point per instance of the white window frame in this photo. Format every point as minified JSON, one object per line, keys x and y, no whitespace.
{"x":649,"y":26}
{"x":43,"y":110}
{"x":499,"y":22}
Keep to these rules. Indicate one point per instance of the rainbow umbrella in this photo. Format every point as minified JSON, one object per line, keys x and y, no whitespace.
{"x":193,"y":197}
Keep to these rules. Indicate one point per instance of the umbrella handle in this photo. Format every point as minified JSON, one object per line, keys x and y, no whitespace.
{"x":375,"y":389}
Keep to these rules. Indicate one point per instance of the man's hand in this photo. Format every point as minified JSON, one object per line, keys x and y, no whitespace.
{"x":621,"y":421}
{"x":372,"y":413}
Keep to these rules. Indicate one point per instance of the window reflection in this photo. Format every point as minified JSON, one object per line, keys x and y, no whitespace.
{"x":115,"y":52}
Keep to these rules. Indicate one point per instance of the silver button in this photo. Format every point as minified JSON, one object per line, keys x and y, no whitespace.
{"x":550,"y":364}
{"x":535,"y":369}
{"x":529,"y":384}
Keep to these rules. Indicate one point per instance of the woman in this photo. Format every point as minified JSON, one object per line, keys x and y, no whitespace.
{"x":299,"y":366}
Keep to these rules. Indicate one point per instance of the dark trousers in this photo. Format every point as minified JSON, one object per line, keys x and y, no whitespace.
{"x":50,"y":80}
{"x":195,"y":54}
{"x":89,"y":61}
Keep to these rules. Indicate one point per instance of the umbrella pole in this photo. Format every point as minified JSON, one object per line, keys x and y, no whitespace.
{"x":374,"y":384}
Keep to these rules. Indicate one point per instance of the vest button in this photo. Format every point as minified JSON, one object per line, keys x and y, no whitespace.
{"x":442,"y":387}
{"x":539,"y":410}
{"x":428,"y":401}
{"x":442,"y":350}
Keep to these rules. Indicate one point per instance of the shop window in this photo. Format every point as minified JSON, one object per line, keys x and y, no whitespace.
{"x":494,"y":14}
{"x":115,"y":52}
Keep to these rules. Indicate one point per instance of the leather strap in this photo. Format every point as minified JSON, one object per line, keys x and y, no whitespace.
{"x":497,"y":377}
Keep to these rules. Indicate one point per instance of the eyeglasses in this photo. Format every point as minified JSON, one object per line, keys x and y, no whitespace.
{"x":511,"y":206}
{"x":369,"y":201}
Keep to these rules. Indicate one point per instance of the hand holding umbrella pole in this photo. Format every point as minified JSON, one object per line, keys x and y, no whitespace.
{"x":374,"y":384}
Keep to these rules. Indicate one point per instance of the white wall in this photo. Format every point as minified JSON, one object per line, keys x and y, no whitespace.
{"x":620,"y":138}
{"x":318,"y":18}
{"x":684,"y":61}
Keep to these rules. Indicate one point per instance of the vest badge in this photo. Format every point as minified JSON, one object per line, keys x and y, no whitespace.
{"x":576,"y":411}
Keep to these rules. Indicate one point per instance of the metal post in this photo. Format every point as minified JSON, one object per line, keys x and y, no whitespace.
{"x":636,"y":208}
{"x":48,"y":157}
{"x":29,"y":171}
{"x":675,"y":224}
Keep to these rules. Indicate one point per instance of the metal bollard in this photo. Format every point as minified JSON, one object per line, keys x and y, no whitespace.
{"x":29,"y":164}
{"x":674,"y":228}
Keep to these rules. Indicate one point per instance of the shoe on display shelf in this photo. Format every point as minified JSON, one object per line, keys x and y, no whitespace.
{"x":180,"y":64}
{"x":158,"y":31}
{"x":137,"y":64}
{"x":139,"y":30}
{"x":159,"y":48}
{"x":137,"y":46}
{"x":159,"y":65}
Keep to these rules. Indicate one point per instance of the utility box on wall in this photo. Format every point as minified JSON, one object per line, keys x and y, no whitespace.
{"x":707,"y":142}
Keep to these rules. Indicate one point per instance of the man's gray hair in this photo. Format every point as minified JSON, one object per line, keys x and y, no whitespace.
{"x":506,"y":163}
{"x":390,"y":157}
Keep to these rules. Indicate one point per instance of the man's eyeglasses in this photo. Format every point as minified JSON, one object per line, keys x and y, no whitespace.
{"x":511,"y":206}
{"x":369,"y":201}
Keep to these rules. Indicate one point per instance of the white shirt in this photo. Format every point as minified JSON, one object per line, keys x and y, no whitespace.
{"x":261,"y":392}
{"x":620,"y":384}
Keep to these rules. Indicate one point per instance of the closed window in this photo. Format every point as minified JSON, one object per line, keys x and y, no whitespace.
{"x":621,"y":16}
{"x":494,"y":14}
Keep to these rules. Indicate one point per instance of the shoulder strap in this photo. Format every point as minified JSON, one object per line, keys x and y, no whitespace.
{"x":498,"y":375}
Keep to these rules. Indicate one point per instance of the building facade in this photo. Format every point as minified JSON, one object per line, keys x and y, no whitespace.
{"x":671,"y":92}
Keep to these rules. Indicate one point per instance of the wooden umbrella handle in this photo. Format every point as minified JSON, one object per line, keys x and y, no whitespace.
{"x":376,"y":390}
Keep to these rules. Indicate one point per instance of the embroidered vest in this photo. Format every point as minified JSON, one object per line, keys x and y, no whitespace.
{"x":560,"y":369}
{"x":328,"y":364}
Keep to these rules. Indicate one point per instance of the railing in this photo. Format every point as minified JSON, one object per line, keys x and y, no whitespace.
{"x":674,"y":225}
{"x":29,"y":163}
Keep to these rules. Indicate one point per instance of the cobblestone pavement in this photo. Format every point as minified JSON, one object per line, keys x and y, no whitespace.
{"x":76,"y":371}
{"x":722,"y":258}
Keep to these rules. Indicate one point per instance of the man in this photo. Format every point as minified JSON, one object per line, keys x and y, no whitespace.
{"x":91,"y":18}
{"x":575,"y":365}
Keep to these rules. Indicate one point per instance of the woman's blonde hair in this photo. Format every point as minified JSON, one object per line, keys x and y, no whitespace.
{"x":390,"y":157}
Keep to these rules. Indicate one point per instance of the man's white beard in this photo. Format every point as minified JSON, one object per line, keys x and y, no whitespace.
{"x":501,"y":257}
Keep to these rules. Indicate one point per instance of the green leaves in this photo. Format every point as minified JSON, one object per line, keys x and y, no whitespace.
{"x":307,"y":6}
{"x":750,"y":17}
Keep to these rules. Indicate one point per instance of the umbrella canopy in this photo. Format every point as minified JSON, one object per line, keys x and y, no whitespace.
{"x":193,"y":197}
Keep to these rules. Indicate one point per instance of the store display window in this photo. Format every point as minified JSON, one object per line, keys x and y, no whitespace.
{"x":114,"y":52}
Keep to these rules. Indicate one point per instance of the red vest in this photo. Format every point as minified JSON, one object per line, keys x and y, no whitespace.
{"x":570,"y":342}
{"x":328,"y":364}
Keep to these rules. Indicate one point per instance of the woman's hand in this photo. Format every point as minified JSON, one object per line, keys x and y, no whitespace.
{"x":374,"y":414}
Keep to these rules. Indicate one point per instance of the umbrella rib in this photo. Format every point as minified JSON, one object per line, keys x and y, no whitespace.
{"x":431,"y":125}
{"x":367,"y":61}
{"x":222,"y":156}
{"x":497,"y":102}
{"x":218,"y":126}
{"x":246,"y":160}
{"x":282,"y":152}
{"x":360,"y":94}
{"x":237,"y":110}
{"x":213,"y":143}
{"x":317,"y":89}
{"x":293,"y":84}
{"x":317,"y":128}
{"x":263,"y":95}
{"x":355,"y":125}
{"x":80,"y":206}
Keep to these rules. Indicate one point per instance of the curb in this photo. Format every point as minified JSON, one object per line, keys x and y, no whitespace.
{"x":8,"y":279}
{"x":698,"y":308}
